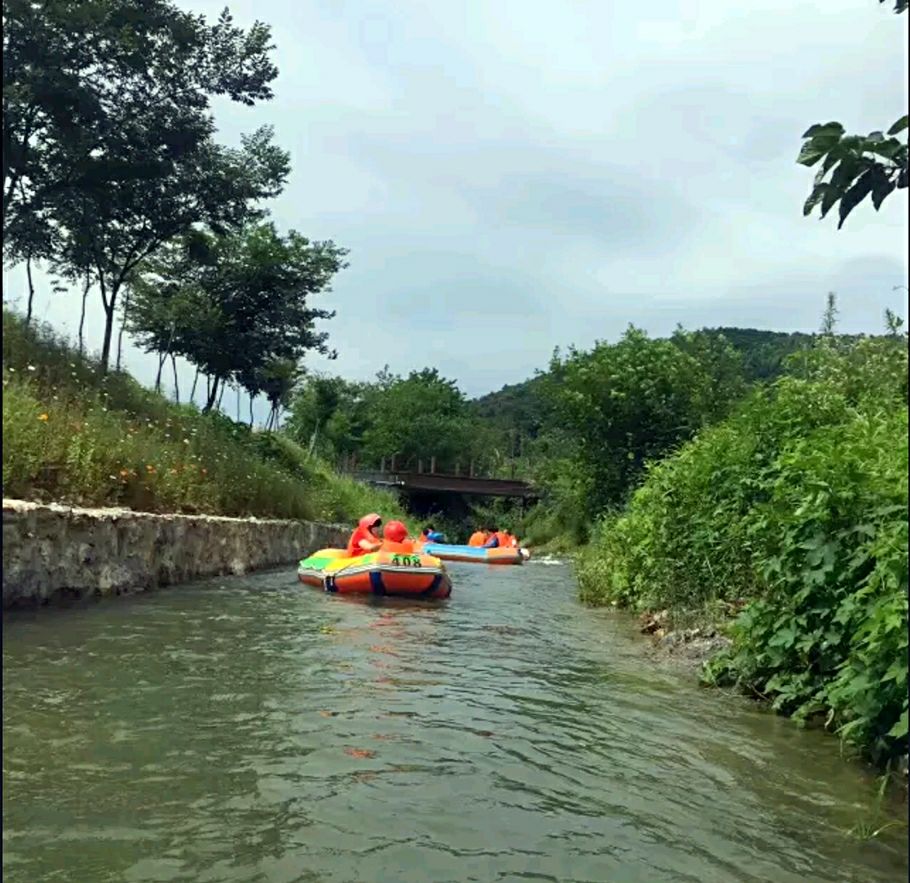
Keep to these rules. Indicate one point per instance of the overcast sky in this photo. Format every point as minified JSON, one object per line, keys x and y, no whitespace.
{"x":513,"y":176}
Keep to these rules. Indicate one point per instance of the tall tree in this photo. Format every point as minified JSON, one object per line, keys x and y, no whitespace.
{"x":624,"y":404}
{"x":236,"y":303}
{"x":278,"y":379}
{"x":418,"y":417}
{"x":329,"y":415}
{"x":108,"y":146}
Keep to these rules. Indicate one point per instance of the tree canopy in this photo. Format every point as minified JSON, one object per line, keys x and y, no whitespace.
{"x":237,"y":306}
{"x":108,"y":137}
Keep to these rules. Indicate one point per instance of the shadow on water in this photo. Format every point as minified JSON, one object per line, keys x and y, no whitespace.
{"x":254,"y":729}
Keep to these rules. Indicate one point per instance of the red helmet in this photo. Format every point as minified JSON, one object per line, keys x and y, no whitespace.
{"x":395,"y":531}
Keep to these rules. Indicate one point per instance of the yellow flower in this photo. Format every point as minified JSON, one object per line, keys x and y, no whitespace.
{"x":43,"y":418}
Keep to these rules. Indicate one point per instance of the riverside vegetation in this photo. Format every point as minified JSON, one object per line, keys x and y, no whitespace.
{"x":793,"y":512}
{"x":74,"y":434}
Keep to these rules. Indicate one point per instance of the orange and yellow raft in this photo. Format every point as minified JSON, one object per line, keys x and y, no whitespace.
{"x":400,"y":574}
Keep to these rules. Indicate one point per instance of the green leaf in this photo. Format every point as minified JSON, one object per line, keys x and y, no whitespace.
{"x":854,"y":196}
{"x":900,"y":729}
{"x":811,"y":153}
{"x":833,"y":128}
{"x":846,"y":172}
{"x":882,"y":186}
{"x":786,"y":637}
{"x":814,"y":198}
{"x":899,"y":126}
{"x":831,"y":196}
{"x":888,"y":148}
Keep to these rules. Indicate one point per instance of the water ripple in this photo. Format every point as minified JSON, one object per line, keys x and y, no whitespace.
{"x":248,"y":729}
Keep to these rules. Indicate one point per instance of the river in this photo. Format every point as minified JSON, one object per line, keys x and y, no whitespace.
{"x":250,"y":729}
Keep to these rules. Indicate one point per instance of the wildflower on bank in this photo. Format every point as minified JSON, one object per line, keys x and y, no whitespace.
{"x":44,"y":418}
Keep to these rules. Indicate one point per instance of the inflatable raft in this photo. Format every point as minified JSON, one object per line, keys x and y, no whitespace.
{"x":476,"y":554}
{"x":397,"y":574}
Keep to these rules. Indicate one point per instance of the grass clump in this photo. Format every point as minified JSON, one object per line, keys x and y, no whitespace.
{"x":791,"y":514}
{"x":73,"y":435}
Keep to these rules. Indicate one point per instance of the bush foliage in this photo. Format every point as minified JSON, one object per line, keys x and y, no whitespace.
{"x":795,"y":510}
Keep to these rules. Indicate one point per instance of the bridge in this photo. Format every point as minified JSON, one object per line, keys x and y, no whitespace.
{"x":436,"y":482}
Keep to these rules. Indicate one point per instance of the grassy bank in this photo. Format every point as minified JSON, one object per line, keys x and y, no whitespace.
{"x":788,"y":521}
{"x":73,"y":435}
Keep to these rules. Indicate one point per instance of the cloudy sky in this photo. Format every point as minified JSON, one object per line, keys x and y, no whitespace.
{"x":513,"y":176}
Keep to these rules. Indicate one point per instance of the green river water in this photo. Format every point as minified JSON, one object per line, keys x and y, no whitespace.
{"x":252,"y":729}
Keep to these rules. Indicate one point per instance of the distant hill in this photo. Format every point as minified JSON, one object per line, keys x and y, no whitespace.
{"x":764,"y":351}
{"x":518,"y":406}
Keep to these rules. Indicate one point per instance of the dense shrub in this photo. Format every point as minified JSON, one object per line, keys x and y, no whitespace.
{"x":797,"y":507}
{"x":624,"y":404}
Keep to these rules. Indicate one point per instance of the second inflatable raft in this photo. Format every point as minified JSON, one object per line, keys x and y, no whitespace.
{"x":476,"y":554}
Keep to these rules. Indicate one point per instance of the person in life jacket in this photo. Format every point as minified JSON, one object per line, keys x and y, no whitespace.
{"x":365,"y":538}
{"x":395,"y":539}
{"x":478,"y":538}
{"x":506,"y":540}
{"x":492,"y":538}
{"x":430,"y":535}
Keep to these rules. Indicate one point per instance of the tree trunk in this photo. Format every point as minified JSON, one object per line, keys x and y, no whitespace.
{"x":88,"y":284}
{"x":162,"y":357}
{"x":126,"y":306}
{"x":193,"y":390}
{"x":31,"y":290}
{"x":251,"y":410}
{"x":238,"y":402}
{"x":221,"y":394}
{"x":212,"y":396}
{"x":109,"y":305}
{"x":176,"y":385}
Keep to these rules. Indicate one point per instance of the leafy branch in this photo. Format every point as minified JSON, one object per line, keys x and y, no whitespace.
{"x":854,"y":167}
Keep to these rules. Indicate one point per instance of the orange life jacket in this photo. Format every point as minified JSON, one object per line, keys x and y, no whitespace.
{"x":362,"y":532}
{"x":478,"y":538}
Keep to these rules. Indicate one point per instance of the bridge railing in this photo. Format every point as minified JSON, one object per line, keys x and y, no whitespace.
{"x":421,"y":479}
{"x":349,"y":465}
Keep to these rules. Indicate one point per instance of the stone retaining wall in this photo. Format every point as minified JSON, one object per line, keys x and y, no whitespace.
{"x":51,"y":550}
